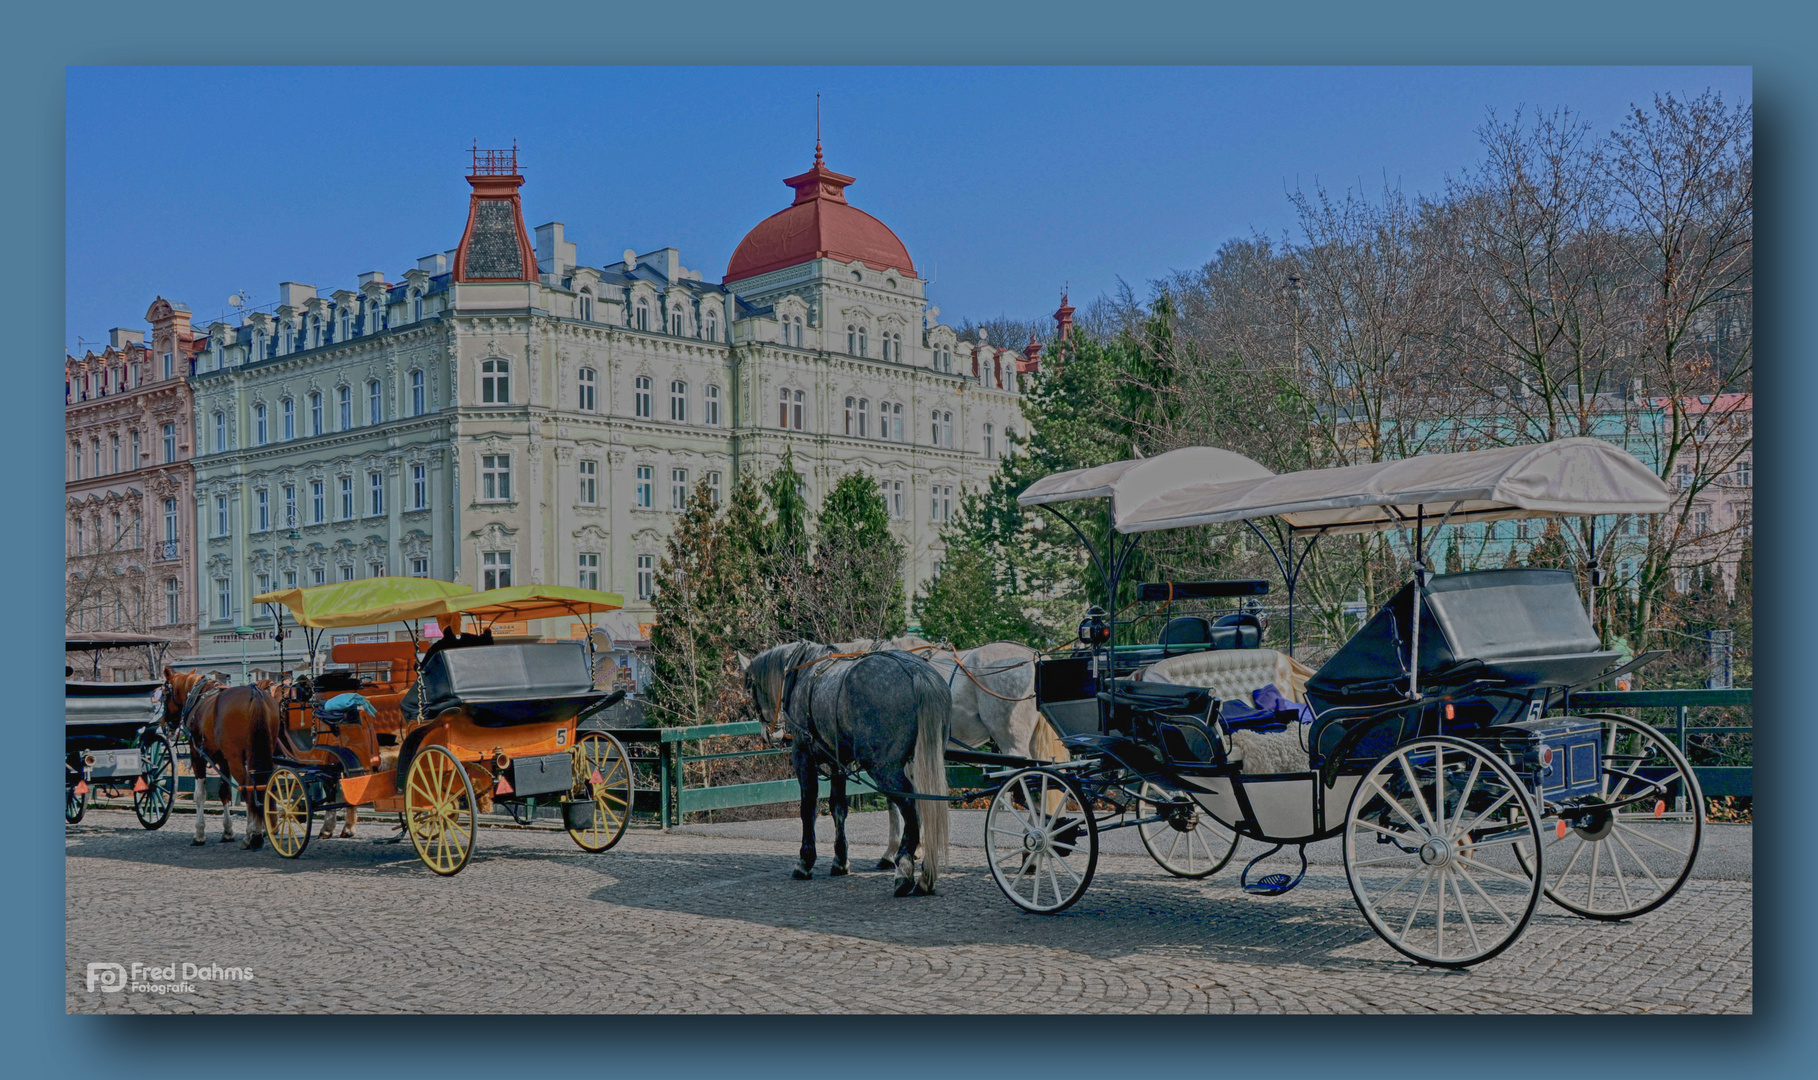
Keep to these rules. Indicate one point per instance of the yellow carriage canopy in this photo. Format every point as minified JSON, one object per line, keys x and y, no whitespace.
{"x":367,"y":602}
{"x":525,"y":602}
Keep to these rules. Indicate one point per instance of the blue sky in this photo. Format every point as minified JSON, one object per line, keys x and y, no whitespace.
{"x":1004,"y":183}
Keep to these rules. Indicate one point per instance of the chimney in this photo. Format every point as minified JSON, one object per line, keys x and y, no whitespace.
{"x":371,"y":276}
{"x":555,"y":255}
{"x":119,"y":338}
{"x":668,"y":262}
{"x":293,"y":295}
{"x":433,"y":264}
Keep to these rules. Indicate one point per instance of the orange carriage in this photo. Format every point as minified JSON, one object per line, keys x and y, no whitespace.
{"x":444,"y":730}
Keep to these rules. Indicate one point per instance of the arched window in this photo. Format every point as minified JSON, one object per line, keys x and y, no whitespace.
{"x":585,"y":391}
{"x":495,"y":382}
{"x":897,"y":346}
{"x":643,"y":314}
{"x":346,"y":325}
{"x":584,"y":306}
{"x":417,"y":402}
{"x":852,"y":339}
{"x":675,"y":321}
{"x":851,"y":416}
{"x":934,"y":437}
{"x":315,"y":413}
{"x":220,"y":438}
{"x":678,"y":401}
{"x":896,"y":421}
{"x":947,"y":429}
{"x":798,"y":331}
{"x":884,"y":345}
{"x":344,"y":407}
{"x":288,"y":410}
{"x":259,"y":431}
{"x":864,"y":428}
{"x":987,"y":440}
{"x":315,"y":330}
{"x":782,"y":421}
{"x":712,"y":332}
{"x":416,"y":307}
{"x":863,"y":349}
{"x":375,"y":403}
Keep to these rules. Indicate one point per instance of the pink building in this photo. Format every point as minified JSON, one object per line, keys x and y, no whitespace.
{"x":129,"y":491}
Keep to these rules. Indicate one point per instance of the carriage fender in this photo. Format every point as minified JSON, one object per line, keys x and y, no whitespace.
{"x":407,"y":751}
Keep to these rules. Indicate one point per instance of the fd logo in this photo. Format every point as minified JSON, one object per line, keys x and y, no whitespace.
{"x":107,"y":978}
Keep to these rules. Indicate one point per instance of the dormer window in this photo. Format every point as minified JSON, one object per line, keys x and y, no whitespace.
{"x":584,"y":306}
{"x":643,"y":315}
{"x":675,"y":321}
{"x":416,"y":307}
{"x":712,"y":332}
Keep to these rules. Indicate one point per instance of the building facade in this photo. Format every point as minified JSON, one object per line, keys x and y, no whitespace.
{"x":128,"y":484}
{"x":507,"y":415}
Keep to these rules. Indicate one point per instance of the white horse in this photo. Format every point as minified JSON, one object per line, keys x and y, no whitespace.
{"x":993,"y":690}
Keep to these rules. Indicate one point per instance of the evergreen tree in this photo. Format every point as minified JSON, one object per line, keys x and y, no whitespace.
{"x":968,"y":602}
{"x":857,"y":579}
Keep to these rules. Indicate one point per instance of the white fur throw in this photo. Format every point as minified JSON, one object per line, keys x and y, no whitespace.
{"x":1269,"y":751}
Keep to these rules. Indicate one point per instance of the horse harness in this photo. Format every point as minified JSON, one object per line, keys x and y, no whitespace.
{"x":832,"y":757}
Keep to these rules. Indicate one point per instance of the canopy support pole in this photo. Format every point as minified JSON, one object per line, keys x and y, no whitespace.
{"x":1595,"y":573}
{"x":1420,"y":584}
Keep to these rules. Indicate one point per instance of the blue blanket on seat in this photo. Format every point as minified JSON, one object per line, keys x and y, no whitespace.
{"x":1273,"y":712}
{"x":345,"y":705}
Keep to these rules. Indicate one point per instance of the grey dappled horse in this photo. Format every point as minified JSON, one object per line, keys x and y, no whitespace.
{"x":884,"y":712}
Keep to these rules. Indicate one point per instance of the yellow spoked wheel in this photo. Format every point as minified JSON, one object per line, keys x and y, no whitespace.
{"x":288,"y":815}
{"x":602,"y":782}
{"x":438,"y":806}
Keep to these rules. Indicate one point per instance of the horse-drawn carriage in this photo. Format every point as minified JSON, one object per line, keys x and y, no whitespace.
{"x":112,"y":737}
{"x":1432,"y":742}
{"x":466,"y":726}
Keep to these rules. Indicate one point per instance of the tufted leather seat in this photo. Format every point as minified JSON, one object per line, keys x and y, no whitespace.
{"x":1233,"y":674}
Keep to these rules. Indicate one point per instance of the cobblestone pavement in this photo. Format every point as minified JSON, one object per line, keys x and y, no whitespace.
{"x":693,"y":922}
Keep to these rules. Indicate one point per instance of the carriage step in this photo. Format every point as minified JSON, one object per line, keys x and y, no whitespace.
{"x":1272,"y":884}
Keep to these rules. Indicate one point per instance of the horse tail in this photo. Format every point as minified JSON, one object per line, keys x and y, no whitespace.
{"x":262,"y":722}
{"x":928,"y":772}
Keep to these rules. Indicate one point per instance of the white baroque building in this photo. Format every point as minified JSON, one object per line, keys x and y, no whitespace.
{"x":506,"y":415}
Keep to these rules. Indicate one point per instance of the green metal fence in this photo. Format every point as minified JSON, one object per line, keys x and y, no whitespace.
{"x":1722,"y":754}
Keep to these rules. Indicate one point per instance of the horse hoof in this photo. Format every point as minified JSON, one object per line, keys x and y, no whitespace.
{"x":800,"y":874}
{"x":227,"y":839}
{"x":905,"y":887}
{"x":885,"y":864}
{"x":839,"y":870}
{"x":198,"y":842}
{"x":347,"y":835}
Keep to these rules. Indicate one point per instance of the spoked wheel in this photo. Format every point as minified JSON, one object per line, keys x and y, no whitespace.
{"x":1189,"y":842}
{"x":1629,"y":849}
{"x":157,"y":786}
{"x":438,"y":810}
{"x":602,"y":778}
{"x":74,"y":805}
{"x":1041,"y":841}
{"x":288,"y":813}
{"x":1428,"y":839}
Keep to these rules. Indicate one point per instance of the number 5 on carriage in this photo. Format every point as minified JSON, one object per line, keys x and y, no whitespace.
{"x":444,"y":730}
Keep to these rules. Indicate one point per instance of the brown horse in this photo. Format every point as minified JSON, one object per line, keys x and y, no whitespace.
{"x":234,"y":728}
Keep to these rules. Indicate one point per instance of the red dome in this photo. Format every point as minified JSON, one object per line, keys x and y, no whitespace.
{"x":820,"y":224}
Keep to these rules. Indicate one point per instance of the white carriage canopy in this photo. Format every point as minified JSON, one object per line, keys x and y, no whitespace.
{"x":1563,"y":478}
{"x":1135,"y":481}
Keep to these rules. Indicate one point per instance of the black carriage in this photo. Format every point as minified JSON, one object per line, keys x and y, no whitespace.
{"x":1433,"y":742}
{"x":114,"y":741}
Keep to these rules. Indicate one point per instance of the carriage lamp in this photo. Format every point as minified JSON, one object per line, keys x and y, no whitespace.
{"x":1095,"y":628}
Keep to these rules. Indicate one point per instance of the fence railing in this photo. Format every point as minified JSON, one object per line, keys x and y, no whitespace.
{"x":1716,"y":750}
{"x":1670,"y":711}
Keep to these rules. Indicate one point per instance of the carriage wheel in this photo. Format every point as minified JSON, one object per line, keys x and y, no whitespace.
{"x":74,"y":805}
{"x":1618,"y":864}
{"x":1041,"y":841}
{"x":1189,"y":843}
{"x":289,"y":817}
{"x":158,"y":768}
{"x":1427,"y":851}
{"x":438,"y":809}
{"x":599,"y":754}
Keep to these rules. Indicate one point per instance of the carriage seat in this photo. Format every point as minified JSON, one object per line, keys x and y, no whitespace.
{"x":1234,"y":674}
{"x":1196,"y":633}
